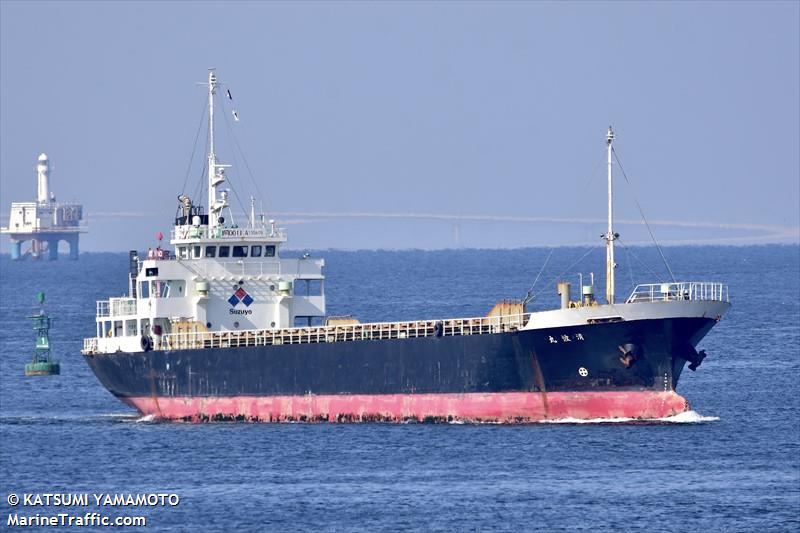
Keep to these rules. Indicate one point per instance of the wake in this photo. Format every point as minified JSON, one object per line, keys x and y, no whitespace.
{"x":686,"y":417}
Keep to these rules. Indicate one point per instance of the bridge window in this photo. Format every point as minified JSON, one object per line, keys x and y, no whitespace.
{"x":211,"y":251}
{"x":240,"y":251}
{"x":168,"y":288}
{"x":160,"y":289}
{"x":308,"y":287}
{"x":255,"y":251}
{"x":307,"y":321}
{"x":144,"y":289}
{"x":270,"y":251}
{"x":224,"y":251}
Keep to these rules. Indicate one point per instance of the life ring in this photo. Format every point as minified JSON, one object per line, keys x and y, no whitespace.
{"x":146,"y":342}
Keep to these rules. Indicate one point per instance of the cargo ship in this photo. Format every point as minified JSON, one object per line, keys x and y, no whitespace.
{"x":220,"y":326}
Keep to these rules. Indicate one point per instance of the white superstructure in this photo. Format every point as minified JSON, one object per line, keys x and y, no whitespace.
{"x":219,"y":277}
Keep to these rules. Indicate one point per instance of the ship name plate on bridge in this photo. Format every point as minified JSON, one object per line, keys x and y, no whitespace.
{"x":243,"y":232}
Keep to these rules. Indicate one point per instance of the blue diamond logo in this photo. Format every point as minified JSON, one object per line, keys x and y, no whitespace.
{"x":233,"y":300}
{"x":247,"y":300}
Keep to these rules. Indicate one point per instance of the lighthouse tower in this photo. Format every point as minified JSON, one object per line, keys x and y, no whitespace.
{"x":43,"y":173}
{"x":44,"y":222}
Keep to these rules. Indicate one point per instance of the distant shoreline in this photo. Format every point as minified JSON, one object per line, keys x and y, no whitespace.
{"x":467,"y":249}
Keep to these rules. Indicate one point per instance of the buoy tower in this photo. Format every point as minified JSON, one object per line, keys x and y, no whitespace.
{"x":43,"y":363}
{"x":44,"y":222}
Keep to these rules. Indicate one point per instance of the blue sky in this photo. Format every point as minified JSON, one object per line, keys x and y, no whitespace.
{"x":442,"y":108}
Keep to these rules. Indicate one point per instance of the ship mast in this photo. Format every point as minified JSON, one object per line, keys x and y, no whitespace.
{"x":216,"y":172}
{"x":252,"y":212}
{"x":610,"y":236}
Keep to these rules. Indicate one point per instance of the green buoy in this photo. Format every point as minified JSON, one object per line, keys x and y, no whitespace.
{"x":43,"y":363}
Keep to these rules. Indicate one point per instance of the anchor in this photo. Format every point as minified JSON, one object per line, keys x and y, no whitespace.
{"x":630,"y":354}
{"x":694,"y":357}
{"x":698,"y":360}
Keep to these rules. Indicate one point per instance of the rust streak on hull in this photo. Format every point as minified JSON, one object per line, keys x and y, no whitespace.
{"x":537,"y":372}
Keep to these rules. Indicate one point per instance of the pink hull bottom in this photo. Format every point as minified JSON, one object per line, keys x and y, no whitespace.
{"x":509,"y":407}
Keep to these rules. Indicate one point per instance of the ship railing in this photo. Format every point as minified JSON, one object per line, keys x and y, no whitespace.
{"x":307,"y":268}
{"x":240,"y":268}
{"x":690,"y":290}
{"x":90,"y":345}
{"x":223,"y":269}
{"x":116,"y":307}
{"x":188,"y":232}
{"x":343,"y":333}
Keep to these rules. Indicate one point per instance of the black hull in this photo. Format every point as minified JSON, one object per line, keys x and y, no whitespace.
{"x":522,"y":361}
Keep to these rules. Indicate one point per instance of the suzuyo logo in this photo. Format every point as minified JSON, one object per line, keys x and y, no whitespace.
{"x":240,"y":296}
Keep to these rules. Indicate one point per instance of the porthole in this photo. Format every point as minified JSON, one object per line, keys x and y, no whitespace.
{"x":208,"y":325}
{"x":236,"y":324}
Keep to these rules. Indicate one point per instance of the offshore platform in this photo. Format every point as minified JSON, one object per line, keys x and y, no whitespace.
{"x":44,"y":222}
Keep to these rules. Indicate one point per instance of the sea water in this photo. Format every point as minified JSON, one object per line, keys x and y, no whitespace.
{"x":730,"y":464}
